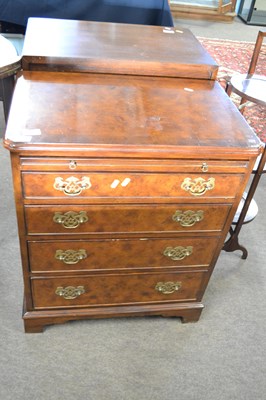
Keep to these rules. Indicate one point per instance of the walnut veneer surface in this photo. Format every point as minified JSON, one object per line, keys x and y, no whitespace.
{"x":125,"y":189}
{"x":83,"y":46}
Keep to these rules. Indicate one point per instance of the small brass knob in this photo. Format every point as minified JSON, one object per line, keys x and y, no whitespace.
{"x":204,"y":167}
{"x":72,"y":164}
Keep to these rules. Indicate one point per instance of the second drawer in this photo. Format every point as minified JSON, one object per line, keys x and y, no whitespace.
{"x":125,"y":218}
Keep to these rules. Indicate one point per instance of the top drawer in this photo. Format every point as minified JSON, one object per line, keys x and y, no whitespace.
{"x":64,"y":164}
{"x":125,"y":186}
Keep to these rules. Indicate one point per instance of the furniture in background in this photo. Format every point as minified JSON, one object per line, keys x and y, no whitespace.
{"x":219,"y":10}
{"x":253,"y":12}
{"x":148,"y":12}
{"x":251,"y":88}
{"x":10,"y":64}
{"x":247,"y":210}
{"x":126,"y":176}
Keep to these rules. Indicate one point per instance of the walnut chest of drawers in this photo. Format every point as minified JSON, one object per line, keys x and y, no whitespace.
{"x":125,"y":189}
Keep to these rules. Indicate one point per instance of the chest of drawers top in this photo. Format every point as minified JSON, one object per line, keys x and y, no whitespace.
{"x":86,"y":46}
{"x":125,"y":116}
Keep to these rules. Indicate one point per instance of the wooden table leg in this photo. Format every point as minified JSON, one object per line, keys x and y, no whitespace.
{"x":6,"y":92}
{"x":232,"y":243}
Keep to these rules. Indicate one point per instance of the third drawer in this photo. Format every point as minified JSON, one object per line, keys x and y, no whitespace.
{"x":115,"y":254}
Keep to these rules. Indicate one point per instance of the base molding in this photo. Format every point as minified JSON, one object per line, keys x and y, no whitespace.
{"x":35,"y":321}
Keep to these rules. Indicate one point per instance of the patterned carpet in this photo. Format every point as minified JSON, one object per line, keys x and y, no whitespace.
{"x":234,"y":57}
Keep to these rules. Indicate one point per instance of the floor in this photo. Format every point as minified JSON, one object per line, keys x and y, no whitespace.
{"x":236,"y":30}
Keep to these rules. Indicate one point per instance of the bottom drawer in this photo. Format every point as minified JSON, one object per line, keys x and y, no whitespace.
{"x":116,"y":289}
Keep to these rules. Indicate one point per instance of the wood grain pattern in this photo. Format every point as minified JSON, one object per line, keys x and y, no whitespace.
{"x":115,"y":48}
{"x":112,"y":219}
{"x":119,"y":254}
{"x":141,"y":186}
{"x":115,"y":289}
{"x":117,"y":115}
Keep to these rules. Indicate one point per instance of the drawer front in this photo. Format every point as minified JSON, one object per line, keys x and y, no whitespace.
{"x":121,"y":254}
{"x":70,"y":220}
{"x":96,"y":290}
{"x":119,"y":185}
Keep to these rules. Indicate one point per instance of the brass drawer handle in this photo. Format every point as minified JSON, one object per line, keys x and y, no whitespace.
{"x":178,"y":253}
{"x":198,"y":186}
{"x":70,"y":219}
{"x":168,"y":287}
{"x":70,"y":292}
{"x":188,"y":218}
{"x":72,"y":186}
{"x":71,"y":256}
